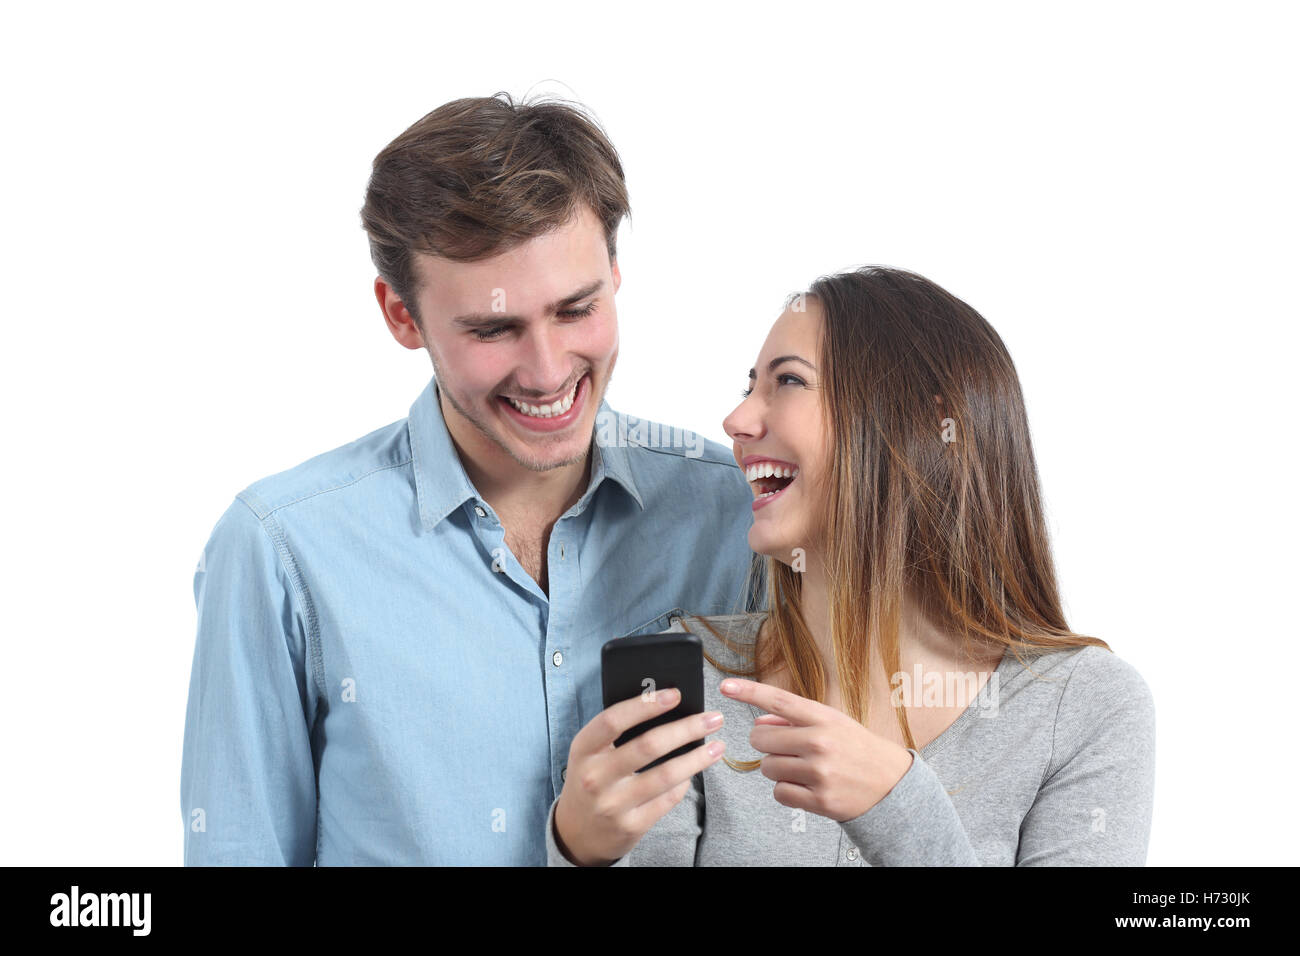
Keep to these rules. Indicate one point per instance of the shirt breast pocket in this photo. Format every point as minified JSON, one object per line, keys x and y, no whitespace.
{"x":670,"y":620}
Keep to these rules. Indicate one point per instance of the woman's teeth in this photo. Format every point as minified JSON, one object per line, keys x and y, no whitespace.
{"x":548,"y":411}
{"x":764,"y":472}
{"x":768,"y":470}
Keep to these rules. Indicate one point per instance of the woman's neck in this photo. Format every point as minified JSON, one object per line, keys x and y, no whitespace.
{"x":814,"y":599}
{"x":918,"y":639}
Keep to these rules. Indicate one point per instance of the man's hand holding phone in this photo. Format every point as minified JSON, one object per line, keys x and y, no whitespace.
{"x":606,"y":806}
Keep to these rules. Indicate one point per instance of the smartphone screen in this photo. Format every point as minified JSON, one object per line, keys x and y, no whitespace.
{"x":643,"y":664}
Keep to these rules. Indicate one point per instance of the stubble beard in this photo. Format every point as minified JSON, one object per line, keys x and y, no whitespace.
{"x":532,"y":464}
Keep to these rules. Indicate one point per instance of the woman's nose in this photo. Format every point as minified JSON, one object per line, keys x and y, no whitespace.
{"x":742,"y":424}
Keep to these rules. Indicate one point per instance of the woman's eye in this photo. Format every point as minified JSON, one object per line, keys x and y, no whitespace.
{"x":785,"y":378}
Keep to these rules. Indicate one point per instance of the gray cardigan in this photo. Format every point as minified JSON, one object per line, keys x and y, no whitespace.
{"x":1054,"y":767}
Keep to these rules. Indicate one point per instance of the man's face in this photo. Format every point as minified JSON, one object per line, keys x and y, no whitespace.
{"x":534,"y":327}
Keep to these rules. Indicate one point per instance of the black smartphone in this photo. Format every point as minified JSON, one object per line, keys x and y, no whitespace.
{"x":645,"y":663}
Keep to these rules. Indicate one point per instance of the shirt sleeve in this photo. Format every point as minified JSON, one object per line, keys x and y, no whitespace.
{"x":248,"y":782}
{"x":672,"y":841}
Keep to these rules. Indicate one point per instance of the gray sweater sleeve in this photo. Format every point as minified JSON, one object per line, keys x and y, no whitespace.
{"x":915,"y":824}
{"x":1093,"y":806}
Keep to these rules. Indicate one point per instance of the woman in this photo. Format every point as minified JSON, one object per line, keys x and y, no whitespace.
{"x":925,"y":701}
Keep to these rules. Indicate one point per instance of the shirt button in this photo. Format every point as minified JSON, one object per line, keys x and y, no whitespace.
{"x":674,"y":622}
{"x":557,"y":658}
{"x":564,"y":774}
{"x":480,"y":512}
{"x":853,"y":853}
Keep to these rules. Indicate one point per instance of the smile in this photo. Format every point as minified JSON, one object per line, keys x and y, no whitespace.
{"x":549,"y":416}
{"x":769,"y":478}
{"x":546,"y":411}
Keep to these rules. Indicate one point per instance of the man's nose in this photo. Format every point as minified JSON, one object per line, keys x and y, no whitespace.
{"x":545,"y":367}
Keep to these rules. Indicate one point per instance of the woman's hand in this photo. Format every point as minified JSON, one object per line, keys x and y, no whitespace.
{"x":822,"y":759}
{"x":606,"y":806}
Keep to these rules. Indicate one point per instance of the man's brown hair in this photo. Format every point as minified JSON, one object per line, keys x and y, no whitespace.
{"x":480,"y":175}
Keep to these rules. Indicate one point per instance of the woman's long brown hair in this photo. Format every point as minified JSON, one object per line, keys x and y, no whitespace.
{"x":932,"y":493}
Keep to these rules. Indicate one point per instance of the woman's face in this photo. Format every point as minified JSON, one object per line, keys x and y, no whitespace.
{"x":777,"y":431}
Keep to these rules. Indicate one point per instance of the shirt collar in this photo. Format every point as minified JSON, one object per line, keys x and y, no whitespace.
{"x":441,"y":484}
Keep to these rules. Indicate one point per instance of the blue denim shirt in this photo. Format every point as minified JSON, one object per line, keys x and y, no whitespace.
{"x":376,"y":679}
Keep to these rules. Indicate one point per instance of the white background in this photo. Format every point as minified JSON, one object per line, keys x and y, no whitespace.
{"x":188,"y":307}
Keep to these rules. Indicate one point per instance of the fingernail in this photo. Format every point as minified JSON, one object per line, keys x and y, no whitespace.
{"x":713,"y":721}
{"x":729,"y":686}
{"x":669,"y":696}
{"x":716,"y":748}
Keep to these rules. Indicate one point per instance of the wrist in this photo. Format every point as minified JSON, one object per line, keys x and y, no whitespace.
{"x":574,"y":856}
{"x":900,"y":763}
{"x":888,"y":772}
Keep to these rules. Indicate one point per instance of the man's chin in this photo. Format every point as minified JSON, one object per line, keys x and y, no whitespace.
{"x":542,"y":450}
{"x":546,"y":462}
{"x":546,"y":453}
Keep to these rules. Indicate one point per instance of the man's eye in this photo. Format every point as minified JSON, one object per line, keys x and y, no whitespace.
{"x":496,"y":331}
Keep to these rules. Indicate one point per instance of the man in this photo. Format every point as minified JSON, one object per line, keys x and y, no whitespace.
{"x":398,"y":639}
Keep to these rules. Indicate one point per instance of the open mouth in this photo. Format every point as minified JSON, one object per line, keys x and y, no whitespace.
{"x":769,"y":479}
{"x":548,"y":410}
{"x":550,"y":416}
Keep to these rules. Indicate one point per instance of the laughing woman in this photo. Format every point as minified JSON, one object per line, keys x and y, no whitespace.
{"x":914,"y":695}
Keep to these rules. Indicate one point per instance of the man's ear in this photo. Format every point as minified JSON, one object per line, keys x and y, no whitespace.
{"x":618,"y":278}
{"x":400,"y":322}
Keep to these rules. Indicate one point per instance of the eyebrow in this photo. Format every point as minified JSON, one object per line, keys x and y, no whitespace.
{"x":784,"y":358}
{"x":475,"y":319}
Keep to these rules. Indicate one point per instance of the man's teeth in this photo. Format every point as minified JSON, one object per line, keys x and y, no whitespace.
{"x":548,"y":411}
{"x":765,"y":469}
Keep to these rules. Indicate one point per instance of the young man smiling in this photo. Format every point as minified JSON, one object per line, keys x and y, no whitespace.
{"x":398,"y":639}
